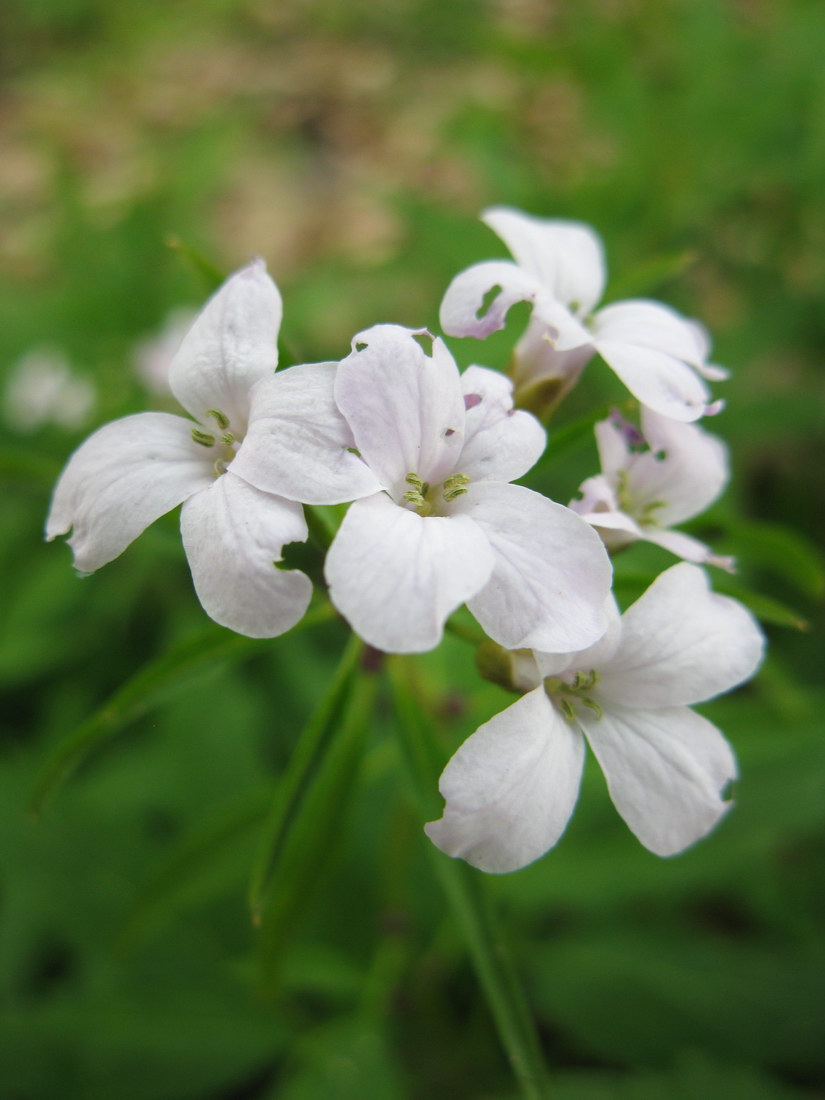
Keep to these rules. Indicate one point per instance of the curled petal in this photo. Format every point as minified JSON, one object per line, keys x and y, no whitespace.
{"x":681,"y":644}
{"x":233,"y":535}
{"x":405,"y":408}
{"x":690,"y":549}
{"x":500,"y":443}
{"x":298,"y":444}
{"x":551,"y":575}
{"x":396,"y":576}
{"x":665,"y":770}
{"x":566,"y":257}
{"x":510,"y":788}
{"x":465,"y":310}
{"x":124,"y":477}
{"x":232,"y":344}
{"x":660,"y":381}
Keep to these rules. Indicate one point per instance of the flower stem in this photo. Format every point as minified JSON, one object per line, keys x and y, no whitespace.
{"x":465,"y":893}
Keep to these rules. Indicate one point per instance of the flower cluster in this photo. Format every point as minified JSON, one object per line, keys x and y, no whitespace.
{"x":426,"y":458}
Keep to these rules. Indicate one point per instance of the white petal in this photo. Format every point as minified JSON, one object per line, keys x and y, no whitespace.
{"x":465,"y":310}
{"x":233,"y":535}
{"x":711,"y":371}
{"x":124,"y":477}
{"x":688,"y":548}
{"x":551,"y":576}
{"x":232,"y":344}
{"x":681,"y":644}
{"x":565,"y":256}
{"x":614,"y":452}
{"x":665,"y":770}
{"x":657,"y":379}
{"x":405,"y":408}
{"x":511,"y":787}
{"x":500,"y":443}
{"x":297,"y":444}
{"x":683,"y":473}
{"x":396,"y":576}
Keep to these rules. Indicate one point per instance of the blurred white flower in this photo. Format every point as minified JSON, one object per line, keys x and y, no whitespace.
{"x":42,"y":389}
{"x":651,"y":481}
{"x":444,"y":526}
{"x":511,"y":787}
{"x":560,"y":269}
{"x":152,"y":356}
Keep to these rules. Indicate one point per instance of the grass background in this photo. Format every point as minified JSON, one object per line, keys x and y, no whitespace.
{"x":353,"y":145}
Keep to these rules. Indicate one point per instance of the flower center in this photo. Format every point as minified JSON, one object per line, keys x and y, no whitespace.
{"x":568,"y":693}
{"x":425,"y":498}
{"x":226,"y":442}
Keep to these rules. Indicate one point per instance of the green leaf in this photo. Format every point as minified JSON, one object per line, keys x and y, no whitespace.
{"x":299,"y":838}
{"x":153,"y":684}
{"x":649,"y":275}
{"x":785,"y":552}
{"x":212,"y":275}
{"x":766,"y":608}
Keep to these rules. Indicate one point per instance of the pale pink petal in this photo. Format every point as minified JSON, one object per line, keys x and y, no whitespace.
{"x":405,"y":408}
{"x":551,"y":574}
{"x":510,"y":788}
{"x":565,"y":256}
{"x":500,"y":443}
{"x":467,"y":309}
{"x":681,"y":644}
{"x":232,"y":344}
{"x":691,"y":549}
{"x":711,"y":371}
{"x":666,"y":771}
{"x":233,"y":535}
{"x":298,"y":444}
{"x":124,"y":477}
{"x":683,"y":473}
{"x":396,"y":576}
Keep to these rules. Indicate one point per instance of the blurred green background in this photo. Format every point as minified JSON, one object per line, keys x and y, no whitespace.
{"x":353,"y":145}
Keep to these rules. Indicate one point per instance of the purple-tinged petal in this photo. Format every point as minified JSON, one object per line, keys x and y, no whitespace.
{"x":124,"y":477}
{"x":465,"y":310}
{"x":298,"y":444}
{"x":405,"y":408}
{"x":660,"y":381}
{"x":688,"y":548}
{"x":681,"y":644}
{"x":511,"y":787}
{"x":232,"y":344}
{"x":665,"y":770}
{"x":233,"y":535}
{"x":551,"y":575}
{"x":396,"y":576}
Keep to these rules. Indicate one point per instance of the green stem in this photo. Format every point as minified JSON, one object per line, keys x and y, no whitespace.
{"x":464,"y":890}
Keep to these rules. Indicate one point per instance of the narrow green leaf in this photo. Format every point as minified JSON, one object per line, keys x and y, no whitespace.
{"x":465,"y":893}
{"x":150,"y":686}
{"x":649,"y":275}
{"x":306,"y":760}
{"x":765,"y":608}
{"x":300,"y":837}
{"x":787,"y":553}
{"x":209,"y":272}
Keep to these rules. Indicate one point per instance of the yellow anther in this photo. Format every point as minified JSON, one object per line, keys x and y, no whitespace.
{"x":204,"y":438}
{"x":220,"y":418}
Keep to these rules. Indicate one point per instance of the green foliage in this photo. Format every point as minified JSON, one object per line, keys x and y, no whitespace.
{"x":352,"y":146}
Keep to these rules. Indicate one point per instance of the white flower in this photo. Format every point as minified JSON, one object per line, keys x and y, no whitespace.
{"x":444,"y":527}
{"x":511,"y":787}
{"x":560,"y":269}
{"x":42,"y":389}
{"x":642,"y":493}
{"x":229,"y":470}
